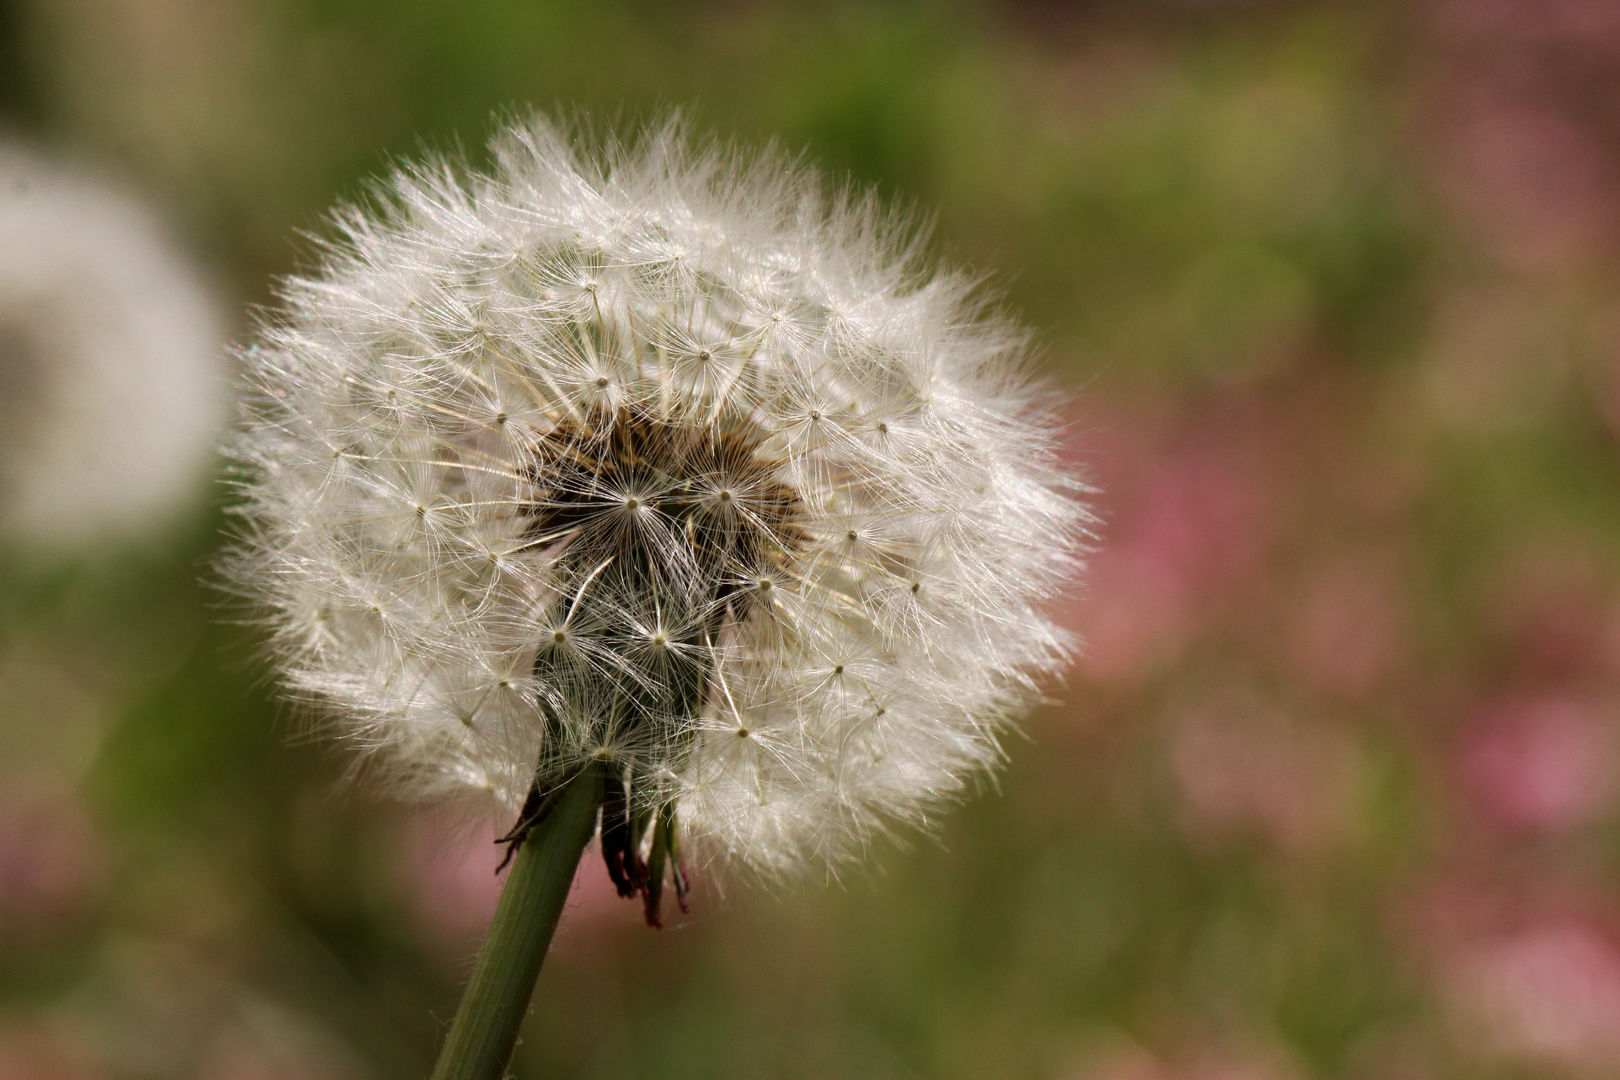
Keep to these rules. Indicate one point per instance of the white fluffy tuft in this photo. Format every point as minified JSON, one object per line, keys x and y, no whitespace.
{"x":654,"y":453}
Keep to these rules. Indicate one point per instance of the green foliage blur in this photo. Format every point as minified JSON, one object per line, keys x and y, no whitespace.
{"x":1336,"y":290}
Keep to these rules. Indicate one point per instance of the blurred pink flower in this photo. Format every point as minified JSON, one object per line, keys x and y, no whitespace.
{"x":1136,"y":616}
{"x":1541,"y":764}
{"x":1546,"y":996}
{"x":50,"y":862}
{"x":1537,"y":187}
{"x":1185,"y":526}
{"x":1519,"y":22}
{"x":1550,"y":607}
{"x":1247,"y":769}
{"x":1348,"y":630}
{"x":452,"y":878}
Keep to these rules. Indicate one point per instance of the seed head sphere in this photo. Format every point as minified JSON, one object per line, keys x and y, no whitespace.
{"x":112,"y":372}
{"x":654,"y":454}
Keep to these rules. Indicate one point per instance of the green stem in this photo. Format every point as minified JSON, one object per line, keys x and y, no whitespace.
{"x":497,"y":997}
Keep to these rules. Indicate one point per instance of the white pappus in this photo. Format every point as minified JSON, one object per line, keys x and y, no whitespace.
{"x":654,"y":454}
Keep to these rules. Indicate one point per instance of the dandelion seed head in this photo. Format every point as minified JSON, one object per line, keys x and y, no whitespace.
{"x":112,"y":384}
{"x":656,"y":455}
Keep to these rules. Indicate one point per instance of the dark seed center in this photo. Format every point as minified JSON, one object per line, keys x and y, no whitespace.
{"x":684,"y":570}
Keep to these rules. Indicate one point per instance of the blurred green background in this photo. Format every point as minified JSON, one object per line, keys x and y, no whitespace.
{"x":1336,"y":287}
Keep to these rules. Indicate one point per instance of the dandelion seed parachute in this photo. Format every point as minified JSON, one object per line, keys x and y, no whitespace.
{"x":654,"y":454}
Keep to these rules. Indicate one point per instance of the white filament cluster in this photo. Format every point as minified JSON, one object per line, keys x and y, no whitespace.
{"x":526,"y":435}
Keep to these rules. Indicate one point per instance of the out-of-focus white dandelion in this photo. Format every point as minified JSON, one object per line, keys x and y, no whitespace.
{"x":654,"y":455}
{"x":112,"y":381}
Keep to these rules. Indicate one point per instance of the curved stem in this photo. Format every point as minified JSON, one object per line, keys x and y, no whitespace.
{"x":497,"y":997}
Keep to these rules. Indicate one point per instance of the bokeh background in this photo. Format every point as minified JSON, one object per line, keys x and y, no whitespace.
{"x":1336,"y":790}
